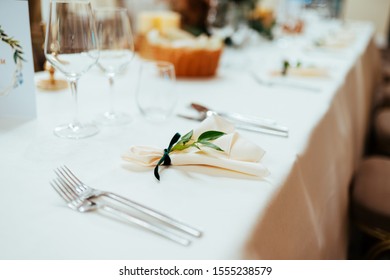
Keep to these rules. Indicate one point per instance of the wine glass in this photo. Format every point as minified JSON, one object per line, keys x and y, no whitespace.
{"x":156,"y":96}
{"x":116,"y":46}
{"x":71,"y":47}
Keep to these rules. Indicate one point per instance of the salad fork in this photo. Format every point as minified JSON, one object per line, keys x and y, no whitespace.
{"x":88,"y":192}
{"x":80,"y":204}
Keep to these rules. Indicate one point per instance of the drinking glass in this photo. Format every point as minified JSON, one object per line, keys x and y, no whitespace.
{"x":323,"y":8}
{"x":289,"y":16}
{"x":289,"y":19}
{"x":71,"y":47}
{"x":116,"y":46}
{"x":156,"y":96}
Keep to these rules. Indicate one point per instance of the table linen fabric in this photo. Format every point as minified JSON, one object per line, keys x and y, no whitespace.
{"x":298,"y":212}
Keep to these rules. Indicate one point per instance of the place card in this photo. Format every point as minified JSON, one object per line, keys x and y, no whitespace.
{"x":17,"y":91}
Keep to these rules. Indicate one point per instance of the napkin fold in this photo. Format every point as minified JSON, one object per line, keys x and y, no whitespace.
{"x":239,"y":154}
{"x":336,"y":41}
{"x":304,"y":71}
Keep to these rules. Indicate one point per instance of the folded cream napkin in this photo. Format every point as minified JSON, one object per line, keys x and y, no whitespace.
{"x":303,"y":71}
{"x":238,"y":154}
{"x":336,"y":41}
{"x":332,"y":44}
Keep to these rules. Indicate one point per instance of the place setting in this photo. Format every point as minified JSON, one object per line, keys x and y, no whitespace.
{"x":332,"y":44}
{"x":214,"y":144}
{"x":296,"y":72}
{"x":181,"y":129}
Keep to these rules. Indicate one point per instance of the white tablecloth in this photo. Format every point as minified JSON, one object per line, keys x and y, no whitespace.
{"x":298,"y":212}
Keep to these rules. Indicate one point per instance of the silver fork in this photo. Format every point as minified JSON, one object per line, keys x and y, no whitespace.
{"x":88,"y":192}
{"x":80,"y":204}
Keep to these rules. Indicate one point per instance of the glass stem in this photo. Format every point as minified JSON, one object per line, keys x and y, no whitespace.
{"x":73,"y":88}
{"x":112,"y":97}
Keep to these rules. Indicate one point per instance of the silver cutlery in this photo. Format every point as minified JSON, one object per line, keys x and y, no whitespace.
{"x":240,"y":126}
{"x":82,"y":204}
{"x":245,"y":122}
{"x":88,"y":192}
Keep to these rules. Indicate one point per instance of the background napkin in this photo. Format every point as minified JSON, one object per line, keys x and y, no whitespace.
{"x":338,"y":40}
{"x":238,"y":154}
{"x":303,"y":71}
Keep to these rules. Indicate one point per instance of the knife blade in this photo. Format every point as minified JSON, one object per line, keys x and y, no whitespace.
{"x":245,"y":120}
{"x":243,"y":127}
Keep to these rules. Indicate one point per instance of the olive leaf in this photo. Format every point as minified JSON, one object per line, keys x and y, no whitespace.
{"x":181,"y":144}
{"x":210,"y":135}
{"x":204,"y":139}
{"x":187,"y":137}
{"x":14,"y":44}
{"x":287,"y":65}
{"x":211,"y":145}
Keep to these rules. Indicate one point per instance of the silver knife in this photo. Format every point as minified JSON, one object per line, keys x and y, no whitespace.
{"x":243,"y":120}
{"x":241,"y":126}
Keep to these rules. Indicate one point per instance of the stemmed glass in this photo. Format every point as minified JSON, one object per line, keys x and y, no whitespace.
{"x":116,"y":46}
{"x":71,"y":47}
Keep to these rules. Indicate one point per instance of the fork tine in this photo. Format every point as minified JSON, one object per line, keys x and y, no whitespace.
{"x":61,"y":174}
{"x":74,"y":196}
{"x":68,"y":175}
{"x":71,"y":185}
{"x":71,"y":174}
{"x":60,"y":191}
{"x":68,"y":189}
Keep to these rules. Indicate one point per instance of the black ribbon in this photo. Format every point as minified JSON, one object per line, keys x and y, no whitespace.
{"x":286,"y":65}
{"x":165,"y":159}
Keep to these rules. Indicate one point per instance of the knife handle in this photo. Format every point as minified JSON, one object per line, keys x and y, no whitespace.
{"x":261,"y":130}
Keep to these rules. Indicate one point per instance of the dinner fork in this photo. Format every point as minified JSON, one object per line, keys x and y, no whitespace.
{"x":80,"y":204}
{"x":88,"y":192}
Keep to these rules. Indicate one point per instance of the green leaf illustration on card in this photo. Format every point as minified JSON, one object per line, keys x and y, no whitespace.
{"x":18,"y":59}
